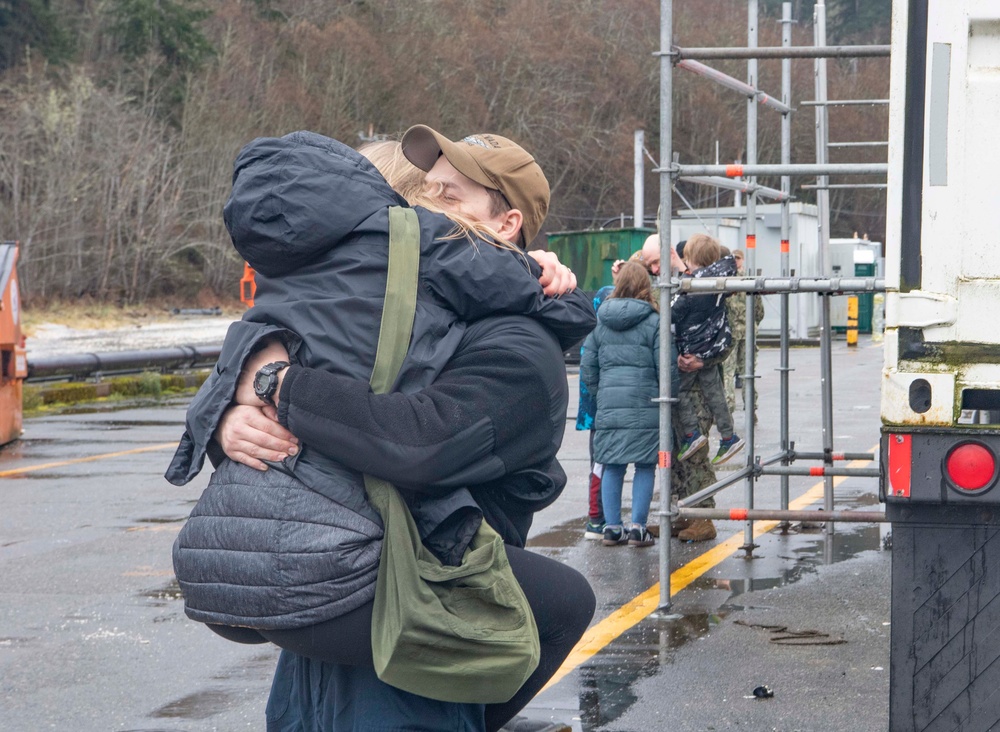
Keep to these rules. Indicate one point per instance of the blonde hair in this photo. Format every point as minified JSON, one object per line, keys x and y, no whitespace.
{"x":632,"y":281}
{"x":408,"y":181}
{"x":701,"y":250}
{"x":404,"y":177}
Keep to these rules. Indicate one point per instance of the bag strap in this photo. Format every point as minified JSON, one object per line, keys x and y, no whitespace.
{"x":394,"y":332}
{"x":400,"y":297}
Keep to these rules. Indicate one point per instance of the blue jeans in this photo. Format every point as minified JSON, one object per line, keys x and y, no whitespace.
{"x":642,"y":492}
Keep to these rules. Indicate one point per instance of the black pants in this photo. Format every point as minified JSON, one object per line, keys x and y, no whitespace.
{"x":561,"y":599}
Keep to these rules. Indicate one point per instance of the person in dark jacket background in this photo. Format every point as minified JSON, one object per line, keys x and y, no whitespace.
{"x":703,"y":334}
{"x":620,"y":366}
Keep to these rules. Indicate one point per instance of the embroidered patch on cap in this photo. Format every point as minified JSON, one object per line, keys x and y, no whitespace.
{"x":484,"y":141}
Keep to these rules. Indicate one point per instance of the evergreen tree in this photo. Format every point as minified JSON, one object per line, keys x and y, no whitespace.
{"x":160,"y":26}
{"x":31,"y":24}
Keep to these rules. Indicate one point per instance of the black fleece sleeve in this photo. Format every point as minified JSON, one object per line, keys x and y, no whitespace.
{"x":484,"y":280}
{"x":485,"y":416}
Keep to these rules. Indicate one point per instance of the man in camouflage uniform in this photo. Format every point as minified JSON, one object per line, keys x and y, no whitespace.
{"x":692,"y":474}
{"x":736,"y":312}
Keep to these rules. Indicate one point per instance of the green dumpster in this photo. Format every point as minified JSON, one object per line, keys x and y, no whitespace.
{"x":590,"y":254}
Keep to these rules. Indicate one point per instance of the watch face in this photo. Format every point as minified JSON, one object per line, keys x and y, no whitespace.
{"x":261,"y":382}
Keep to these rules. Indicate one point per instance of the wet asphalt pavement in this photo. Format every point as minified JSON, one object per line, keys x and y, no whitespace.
{"x":93,"y":634}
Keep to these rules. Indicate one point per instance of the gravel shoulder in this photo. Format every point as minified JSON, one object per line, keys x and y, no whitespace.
{"x":50,"y":339}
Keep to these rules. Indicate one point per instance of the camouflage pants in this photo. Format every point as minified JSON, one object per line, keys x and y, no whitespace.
{"x":712,"y":393}
{"x":690,"y":476}
{"x":733,"y":365}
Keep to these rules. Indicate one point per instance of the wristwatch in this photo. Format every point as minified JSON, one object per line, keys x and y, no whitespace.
{"x":265,"y":382}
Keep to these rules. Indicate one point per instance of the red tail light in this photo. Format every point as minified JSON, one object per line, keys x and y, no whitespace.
{"x":971,"y":466}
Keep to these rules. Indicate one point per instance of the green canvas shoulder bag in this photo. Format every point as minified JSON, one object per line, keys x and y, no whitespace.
{"x":457,"y":634}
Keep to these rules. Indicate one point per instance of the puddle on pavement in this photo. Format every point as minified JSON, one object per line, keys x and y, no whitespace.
{"x":606,"y":681}
{"x":163,"y":596}
{"x":162,"y":520}
{"x":200,"y":705}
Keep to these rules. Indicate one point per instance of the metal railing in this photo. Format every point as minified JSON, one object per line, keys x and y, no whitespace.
{"x":88,"y":365}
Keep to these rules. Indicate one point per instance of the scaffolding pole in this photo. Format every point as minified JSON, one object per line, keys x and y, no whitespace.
{"x":749,"y":372}
{"x":836,"y":457}
{"x":736,"y":85}
{"x":823,"y":203}
{"x":735,"y":185}
{"x":765,"y":52}
{"x":786,"y":186}
{"x":858,"y":144}
{"x":665,"y":214}
{"x":770,"y":285}
{"x":743,"y":514}
{"x":826,"y":472}
{"x":842,"y":102}
{"x":705,"y":493}
{"x":811,"y":187}
{"x":736,"y":170}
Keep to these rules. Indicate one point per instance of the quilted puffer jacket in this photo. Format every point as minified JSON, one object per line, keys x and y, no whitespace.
{"x":620,"y":366}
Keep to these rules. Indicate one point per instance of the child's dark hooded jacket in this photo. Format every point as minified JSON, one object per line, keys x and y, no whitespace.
{"x":700,"y":322}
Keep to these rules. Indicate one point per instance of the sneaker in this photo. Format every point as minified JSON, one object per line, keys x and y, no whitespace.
{"x":593,"y":530}
{"x":698,"y":530}
{"x":638,"y":536}
{"x":614,"y":536}
{"x":693,"y":441}
{"x":523,"y":724}
{"x":654,"y":530}
{"x":728,"y":448}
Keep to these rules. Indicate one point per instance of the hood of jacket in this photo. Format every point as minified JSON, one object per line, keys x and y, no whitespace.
{"x":336,"y":190}
{"x":623,"y":313}
{"x":724,"y":267}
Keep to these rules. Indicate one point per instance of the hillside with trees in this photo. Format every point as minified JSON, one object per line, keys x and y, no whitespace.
{"x":121,"y":118}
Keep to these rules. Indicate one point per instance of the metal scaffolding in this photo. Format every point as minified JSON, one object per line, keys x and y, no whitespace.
{"x":671,"y":56}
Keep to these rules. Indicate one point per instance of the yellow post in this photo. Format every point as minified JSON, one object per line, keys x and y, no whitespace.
{"x":852,"y":320}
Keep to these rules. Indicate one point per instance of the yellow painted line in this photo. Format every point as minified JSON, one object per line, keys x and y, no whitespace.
{"x":92,"y":458}
{"x":641,"y":606}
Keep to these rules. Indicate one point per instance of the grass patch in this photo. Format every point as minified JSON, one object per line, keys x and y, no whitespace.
{"x":40,"y":398}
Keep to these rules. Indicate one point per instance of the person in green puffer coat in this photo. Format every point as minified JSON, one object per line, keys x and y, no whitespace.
{"x":620,"y":367}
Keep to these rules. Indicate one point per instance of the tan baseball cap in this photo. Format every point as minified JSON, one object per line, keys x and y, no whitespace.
{"x":492,"y":161}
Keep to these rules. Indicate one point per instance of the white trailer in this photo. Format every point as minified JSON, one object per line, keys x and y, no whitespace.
{"x":940,"y":470}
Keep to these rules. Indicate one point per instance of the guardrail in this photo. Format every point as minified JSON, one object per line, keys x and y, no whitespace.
{"x":85,"y":365}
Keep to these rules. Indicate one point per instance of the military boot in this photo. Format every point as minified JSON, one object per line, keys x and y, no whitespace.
{"x":699,"y":530}
{"x":678,"y":525}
